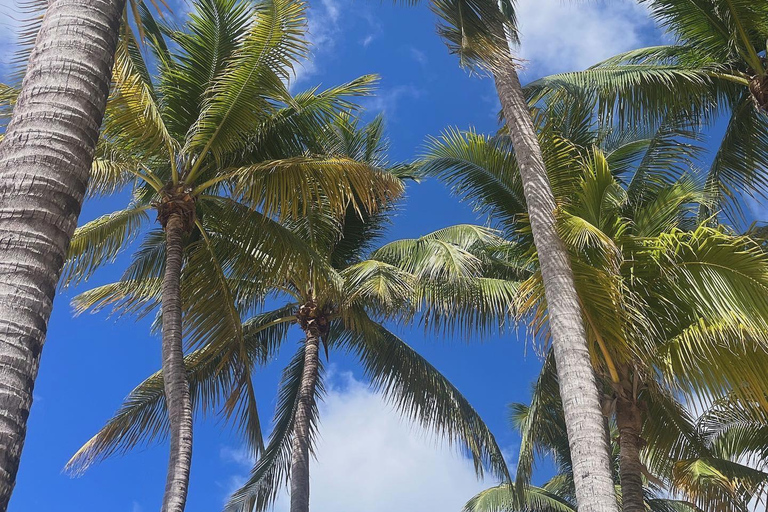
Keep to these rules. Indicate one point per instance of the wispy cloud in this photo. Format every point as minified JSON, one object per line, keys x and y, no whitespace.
{"x":389,"y":100}
{"x":419,"y":56}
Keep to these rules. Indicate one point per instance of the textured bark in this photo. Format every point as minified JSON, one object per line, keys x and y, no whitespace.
{"x":578,"y":387}
{"x":174,"y":373}
{"x":306,"y":403}
{"x":45,"y":159}
{"x":630,"y":424}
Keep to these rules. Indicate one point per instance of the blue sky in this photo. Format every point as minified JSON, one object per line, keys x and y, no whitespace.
{"x":369,"y":460}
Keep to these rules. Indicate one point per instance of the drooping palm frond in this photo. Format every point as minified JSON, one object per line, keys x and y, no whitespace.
{"x":286,"y":187}
{"x":740,"y":166}
{"x":272,"y":470}
{"x":142,"y":419}
{"x":420,"y":392}
{"x":98,"y":242}
{"x":478,"y":31}
{"x":723,"y":29}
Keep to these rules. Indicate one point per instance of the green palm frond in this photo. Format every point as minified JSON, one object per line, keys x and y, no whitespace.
{"x":124,"y":298}
{"x":215,"y":30}
{"x":98,"y":242}
{"x":420,"y":392}
{"x":272,"y":470}
{"x":722,"y":29}
{"x":380,"y":286}
{"x":505,"y":498}
{"x":288,"y":186}
{"x":444,"y":254}
{"x":133,"y":108}
{"x":479,"y":170}
{"x":643,"y":92}
{"x":255,"y":77}
{"x":294,"y":129}
{"x":719,"y":485}
{"x":477,"y":31}
{"x":740,"y":166}
{"x":143,"y":418}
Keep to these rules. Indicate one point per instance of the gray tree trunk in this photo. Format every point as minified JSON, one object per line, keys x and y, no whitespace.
{"x":630,"y":424}
{"x":174,"y":372}
{"x":578,"y":387}
{"x":45,"y":160}
{"x":306,"y":403}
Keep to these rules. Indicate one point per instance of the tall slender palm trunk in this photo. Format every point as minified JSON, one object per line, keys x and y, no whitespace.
{"x":174,"y":373}
{"x":45,"y":159}
{"x":306,"y":403}
{"x":578,"y":387}
{"x":630,"y":424}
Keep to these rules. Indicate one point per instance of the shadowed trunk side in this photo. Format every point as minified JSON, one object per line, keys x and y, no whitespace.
{"x":314,"y":326}
{"x":176,"y":224}
{"x":630,"y":424}
{"x":45,"y":158}
{"x":578,"y":387}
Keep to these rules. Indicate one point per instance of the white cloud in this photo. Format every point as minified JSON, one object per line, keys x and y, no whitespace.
{"x":368,"y":459}
{"x":136,"y":507}
{"x":323,"y":31}
{"x":568,"y":35}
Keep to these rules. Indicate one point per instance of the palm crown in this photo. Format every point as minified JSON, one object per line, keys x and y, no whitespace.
{"x":665,"y":299}
{"x":715,"y":68}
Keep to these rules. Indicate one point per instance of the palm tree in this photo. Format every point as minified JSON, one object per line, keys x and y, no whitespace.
{"x":542,"y":429}
{"x":661,"y":295}
{"x":440,"y":277}
{"x":45,"y":155}
{"x":715,"y":68}
{"x":480,"y":32}
{"x":217,"y":146}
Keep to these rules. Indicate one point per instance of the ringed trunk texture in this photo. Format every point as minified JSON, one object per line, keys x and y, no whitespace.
{"x":45,"y":160}
{"x":630,"y":423}
{"x":306,"y":403}
{"x":578,"y":387}
{"x":174,"y":372}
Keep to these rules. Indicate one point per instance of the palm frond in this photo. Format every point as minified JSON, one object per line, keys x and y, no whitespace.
{"x":143,"y":417}
{"x":272,"y":470}
{"x":98,"y":242}
{"x":419,"y":391}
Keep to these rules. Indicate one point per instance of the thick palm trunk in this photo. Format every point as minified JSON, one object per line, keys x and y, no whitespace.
{"x":630,"y":423}
{"x":306,"y":402}
{"x":578,"y":388}
{"x":45,"y":159}
{"x":174,"y":372}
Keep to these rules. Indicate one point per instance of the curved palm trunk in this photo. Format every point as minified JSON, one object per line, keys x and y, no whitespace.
{"x":630,"y":423}
{"x":45,"y":159}
{"x":578,"y":387}
{"x":301,"y":429}
{"x":174,"y":373}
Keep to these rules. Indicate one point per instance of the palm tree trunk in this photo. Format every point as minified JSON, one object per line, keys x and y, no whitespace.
{"x":174,"y":372}
{"x":578,"y":387}
{"x":630,"y":423}
{"x":306,"y":403}
{"x":45,"y":159}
